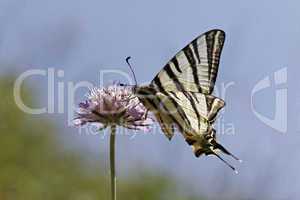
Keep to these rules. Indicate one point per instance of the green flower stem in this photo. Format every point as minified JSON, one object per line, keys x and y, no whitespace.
{"x":113,"y":163}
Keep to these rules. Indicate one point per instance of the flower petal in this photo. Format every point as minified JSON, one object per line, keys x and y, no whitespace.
{"x":113,"y":104}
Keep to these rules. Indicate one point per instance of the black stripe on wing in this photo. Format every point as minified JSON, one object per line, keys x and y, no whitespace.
{"x":176,"y":64}
{"x":180,"y":87}
{"x":195,"y":67}
{"x":175,"y":105}
{"x":215,"y":41}
{"x":188,"y":52}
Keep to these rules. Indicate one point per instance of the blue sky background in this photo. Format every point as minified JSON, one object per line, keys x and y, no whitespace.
{"x":84,"y":37}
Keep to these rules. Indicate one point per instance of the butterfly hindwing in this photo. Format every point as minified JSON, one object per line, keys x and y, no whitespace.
{"x":202,"y":111}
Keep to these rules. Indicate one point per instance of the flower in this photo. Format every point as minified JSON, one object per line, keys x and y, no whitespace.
{"x":113,"y":105}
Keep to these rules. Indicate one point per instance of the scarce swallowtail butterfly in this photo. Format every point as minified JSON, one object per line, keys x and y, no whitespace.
{"x":180,"y":95}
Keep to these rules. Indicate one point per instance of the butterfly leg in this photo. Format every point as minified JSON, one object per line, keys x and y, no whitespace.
{"x":146,"y":114}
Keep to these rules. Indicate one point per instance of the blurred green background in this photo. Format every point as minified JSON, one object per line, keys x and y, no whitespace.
{"x":34,"y":165}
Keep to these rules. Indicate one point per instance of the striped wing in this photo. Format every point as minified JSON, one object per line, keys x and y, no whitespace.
{"x":192,"y":112}
{"x":200,"y":110}
{"x":195,"y":67}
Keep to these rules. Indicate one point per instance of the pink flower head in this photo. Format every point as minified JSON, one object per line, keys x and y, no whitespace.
{"x":114,"y":104}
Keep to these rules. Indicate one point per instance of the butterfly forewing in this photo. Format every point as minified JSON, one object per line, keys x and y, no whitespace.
{"x":195,"y":67}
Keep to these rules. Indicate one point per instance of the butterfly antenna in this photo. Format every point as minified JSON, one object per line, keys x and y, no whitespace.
{"x":229,"y":165}
{"x":131,"y":69}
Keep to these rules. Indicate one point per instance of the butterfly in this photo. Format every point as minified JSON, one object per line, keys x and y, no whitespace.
{"x":180,"y":95}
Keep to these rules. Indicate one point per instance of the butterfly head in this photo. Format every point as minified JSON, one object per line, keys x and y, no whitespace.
{"x":134,"y":87}
{"x":144,"y":91}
